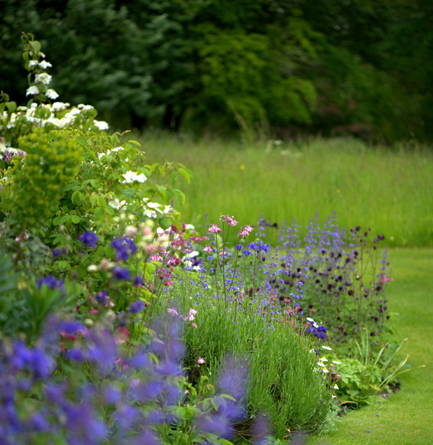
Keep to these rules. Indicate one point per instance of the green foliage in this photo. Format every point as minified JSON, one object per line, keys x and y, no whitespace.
{"x":24,"y":307}
{"x":34,"y":189}
{"x":282,"y":382}
{"x":334,"y":68}
{"x":363,"y":378}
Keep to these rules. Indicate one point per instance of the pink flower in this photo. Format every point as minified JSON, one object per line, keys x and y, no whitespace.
{"x":194,"y":326}
{"x":156,"y":258}
{"x":200,"y":361}
{"x":384,"y":279}
{"x":94,"y":311}
{"x":191,"y":315}
{"x":172,"y":311}
{"x":134,"y":383}
{"x":247,"y":230}
{"x":207,"y":249}
{"x":186,"y":391}
{"x":229,"y":220}
{"x":214,"y":229}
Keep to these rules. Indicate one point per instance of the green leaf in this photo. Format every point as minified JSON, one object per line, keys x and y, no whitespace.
{"x":64,"y":219}
{"x":11,"y":106}
{"x":83,"y":141}
{"x":185,"y":174}
{"x":165,"y":222}
{"x":98,"y":213}
{"x":35,"y":45}
{"x":75,"y":219}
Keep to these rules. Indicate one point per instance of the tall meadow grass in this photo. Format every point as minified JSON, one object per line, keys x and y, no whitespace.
{"x":388,"y":189}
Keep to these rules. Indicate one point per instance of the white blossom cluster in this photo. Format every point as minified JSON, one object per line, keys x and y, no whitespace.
{"x":25,"y":115}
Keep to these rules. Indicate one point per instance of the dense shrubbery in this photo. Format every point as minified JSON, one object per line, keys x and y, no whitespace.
{"x":120,"y":324}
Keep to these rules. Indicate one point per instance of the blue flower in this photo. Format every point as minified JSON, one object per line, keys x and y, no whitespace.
{"x":89,"y":238}
{"x":238,"y":247}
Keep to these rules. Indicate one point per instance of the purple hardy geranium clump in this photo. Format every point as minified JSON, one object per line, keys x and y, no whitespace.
{"x":107,"y":394}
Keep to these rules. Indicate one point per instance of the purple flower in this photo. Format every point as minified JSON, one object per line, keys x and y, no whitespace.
{"x":51,"y":282}
{"x":126,"y":417}
{"x":111,"y":394}
{"x":138,"y":281}
{"x":89,"y":238}
{"x":121,"y":274}
{"x":146,"y":437}
{"x":101,"y":297}
{"x":135,"y":307}
{"x":101,"y":349}
{"x":216,"y":424}
{"x":146,"y":392}
{"x":123,"y":247}
{"x":75,"y":354}
{"x":72,"y":327}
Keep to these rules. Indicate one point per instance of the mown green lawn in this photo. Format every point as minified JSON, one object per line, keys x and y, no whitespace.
{"x":407,"y":417}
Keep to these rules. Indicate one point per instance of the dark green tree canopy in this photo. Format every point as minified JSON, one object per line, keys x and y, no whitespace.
{"x":358,"y":67}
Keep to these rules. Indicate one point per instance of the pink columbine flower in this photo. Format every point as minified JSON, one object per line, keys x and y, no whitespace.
{"x":191,"y":315}
{"x":200,"y":361}
{"x":194,"y":326}
{"x":172,"y":311}
{"x":207,"y":249}
{"x":214,"y":229}
{"x":384,"y":279}
{"x":247,"y":230}
{"x":230,"y":220}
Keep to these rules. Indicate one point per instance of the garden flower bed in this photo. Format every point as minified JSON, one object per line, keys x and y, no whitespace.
{"x":120,"y":323}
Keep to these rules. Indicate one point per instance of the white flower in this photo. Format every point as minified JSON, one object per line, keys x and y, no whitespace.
{"x":335,"y":387}
{"x":41,"y":54}
{"x":44,"y":65}
{"x":321,"y":364}
{"x":150,"y":214}
{"x":32,"y":90}
{"x":189,"y":227}
{"x":51,"y":94}
{"x":310,"y":320}
{"x":190,"y":256}
{"x":132,"y":176}
{"x":327,"y":348}
{"x":325,"y":371}
{"x":116,"y":204}
{"x":101,"y":125}
{"x":337,"y":363}
{"x":333,"y":397}
{"x":323,"y":359}
{"x":59,"y":106}
{"x":43,"y":78}
{"x":33,"y":63}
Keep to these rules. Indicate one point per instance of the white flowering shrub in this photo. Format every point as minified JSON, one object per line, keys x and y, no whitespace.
{"x":110,"y":179}
{"x":41,"y":111}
